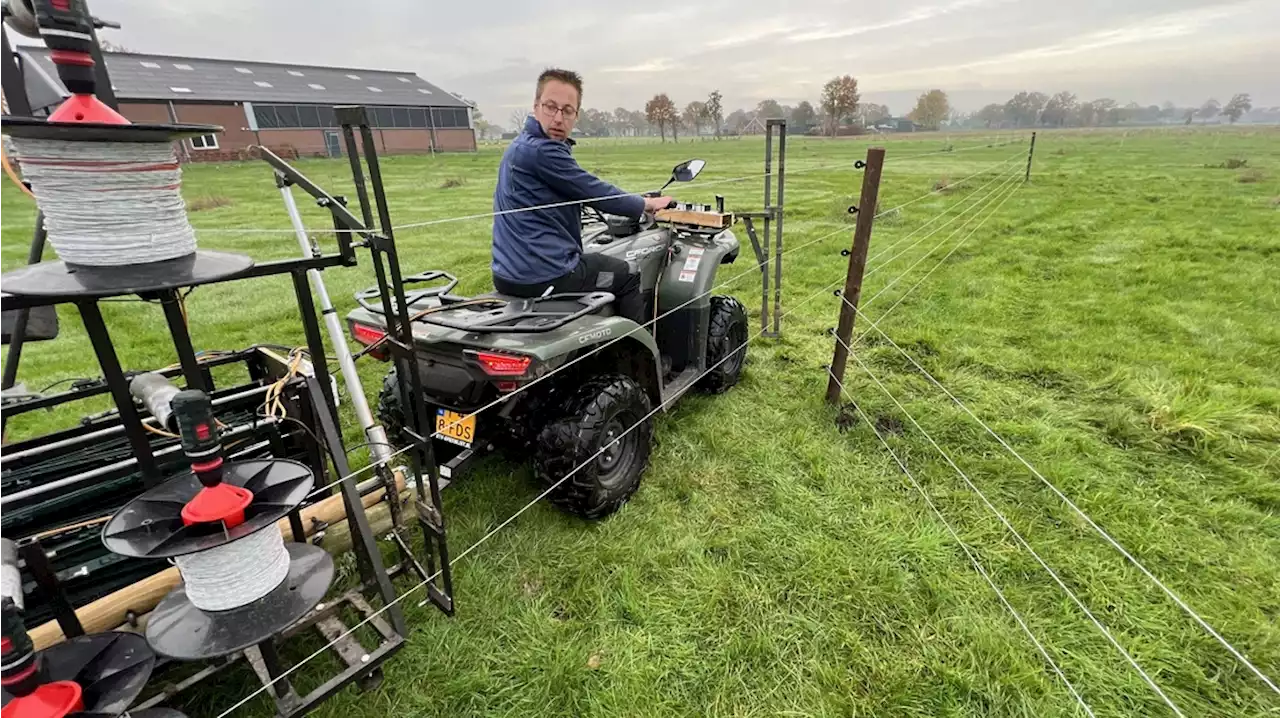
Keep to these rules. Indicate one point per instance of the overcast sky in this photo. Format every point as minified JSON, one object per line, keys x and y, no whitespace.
{"x":978,"y":50}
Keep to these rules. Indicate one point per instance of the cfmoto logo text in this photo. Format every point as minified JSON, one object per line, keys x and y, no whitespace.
{"x":597,"y":334}
{"x":633,"y":254}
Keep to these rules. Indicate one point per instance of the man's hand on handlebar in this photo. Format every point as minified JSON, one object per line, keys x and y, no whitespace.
{"x":653,"y":204}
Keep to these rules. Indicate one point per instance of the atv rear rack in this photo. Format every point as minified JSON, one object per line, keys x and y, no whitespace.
{"x":511,"y":315}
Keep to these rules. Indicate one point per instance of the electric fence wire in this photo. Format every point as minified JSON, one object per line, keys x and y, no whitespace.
{"x":566,"y":203}
{"x":1018,"y":536}
{"x":885,"y":314}
{"x":720,"y":286}
{"x":513,"y":517}
{"x":973,"y":559}
{"x":1012,"y":179}
{"x":1191,"y":612}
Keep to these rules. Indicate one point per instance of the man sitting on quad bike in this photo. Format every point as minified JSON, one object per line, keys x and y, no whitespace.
{"x":540,"y":251}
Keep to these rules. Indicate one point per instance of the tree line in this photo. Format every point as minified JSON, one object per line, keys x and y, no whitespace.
{"x":840,"y":111}
{"x":1064,"y":109}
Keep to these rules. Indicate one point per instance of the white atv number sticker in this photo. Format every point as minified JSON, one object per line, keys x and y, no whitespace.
{"x":688,"y":276}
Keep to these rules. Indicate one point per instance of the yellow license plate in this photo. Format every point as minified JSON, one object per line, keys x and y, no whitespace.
{"x":455,"y":428}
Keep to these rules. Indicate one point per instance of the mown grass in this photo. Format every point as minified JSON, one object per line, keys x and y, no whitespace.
{"x":1115,"y":321}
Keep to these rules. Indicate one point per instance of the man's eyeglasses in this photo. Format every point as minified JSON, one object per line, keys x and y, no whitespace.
{"x":552,"y":108}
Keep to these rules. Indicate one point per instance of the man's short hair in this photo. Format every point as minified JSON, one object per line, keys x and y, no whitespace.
{"x":568,"y":77}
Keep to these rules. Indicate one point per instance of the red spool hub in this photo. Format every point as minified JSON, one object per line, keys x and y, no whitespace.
{"x":220,"y":502}
{"x":51,"y":700}
{"x":87,"y":108}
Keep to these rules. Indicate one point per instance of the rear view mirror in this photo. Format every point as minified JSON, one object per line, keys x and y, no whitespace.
{"x":685,"y":171}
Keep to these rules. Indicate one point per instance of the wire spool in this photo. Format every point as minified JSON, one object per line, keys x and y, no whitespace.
{"x":241,"y":583}
{"x":108,"y":204}
{"x":97,"y":675}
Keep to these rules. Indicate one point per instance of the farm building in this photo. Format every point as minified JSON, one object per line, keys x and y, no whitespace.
{"x":287,"y":108}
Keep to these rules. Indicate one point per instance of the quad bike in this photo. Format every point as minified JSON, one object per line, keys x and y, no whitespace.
{"x":603,"y":373}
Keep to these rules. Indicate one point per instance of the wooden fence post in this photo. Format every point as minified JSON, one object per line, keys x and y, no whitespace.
{"x":867,"y":205}
{"x":1031,"y":152}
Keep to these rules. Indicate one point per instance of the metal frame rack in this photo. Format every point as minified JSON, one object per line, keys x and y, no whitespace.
{"x":212,"y":268}
{"x":772,"y":213}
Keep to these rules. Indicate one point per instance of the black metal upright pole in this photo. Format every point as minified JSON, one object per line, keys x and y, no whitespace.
{"x":315,"y":344}
{"x":19,"y":334}
{"x":777,"y":248}
{"x":177,"y":322}
{"x":768,"y":215}
{"x":96,"y":327}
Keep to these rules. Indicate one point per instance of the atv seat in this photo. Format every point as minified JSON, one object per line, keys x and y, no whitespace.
{"x":510,"y":314}
{"x":563,"y":306}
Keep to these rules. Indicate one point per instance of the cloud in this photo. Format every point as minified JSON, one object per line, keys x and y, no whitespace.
{"x":918,"y":15}
{"x":661,"y":64}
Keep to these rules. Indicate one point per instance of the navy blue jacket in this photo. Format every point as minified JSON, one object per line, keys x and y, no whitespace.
{"x":536,"y":246}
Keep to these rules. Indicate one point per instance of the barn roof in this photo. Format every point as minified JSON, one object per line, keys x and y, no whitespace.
{"x":137,"y":76}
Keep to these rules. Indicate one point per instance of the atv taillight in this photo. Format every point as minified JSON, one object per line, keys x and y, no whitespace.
{"x":503,"y":364}
{"x":369,"y":336}
{"x":366,"y":335}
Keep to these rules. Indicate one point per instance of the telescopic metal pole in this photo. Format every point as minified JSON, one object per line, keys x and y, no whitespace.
{"x":373,"y":431}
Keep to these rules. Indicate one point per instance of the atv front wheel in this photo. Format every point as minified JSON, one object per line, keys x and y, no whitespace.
{"x":726,"y":345}
{"x":594,"y":455}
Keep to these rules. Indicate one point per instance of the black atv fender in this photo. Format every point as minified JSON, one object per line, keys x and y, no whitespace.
{"x":686,"y":283}
{"x":616,"y":342}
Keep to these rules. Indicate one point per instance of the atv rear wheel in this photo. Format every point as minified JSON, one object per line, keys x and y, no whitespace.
{"x":391,"y":411}
{"x":595,"y":454}
{"x":726,"y":345}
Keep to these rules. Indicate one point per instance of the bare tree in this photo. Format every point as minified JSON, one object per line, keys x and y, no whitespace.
{"x":661,"y":111}
{"x":839,"y":100}
{"x":931,"y":109}
{"x":695,"y":114}
{"x":715,"y":110}
{"x":517,"y":119}
{"x":1237,"y":107}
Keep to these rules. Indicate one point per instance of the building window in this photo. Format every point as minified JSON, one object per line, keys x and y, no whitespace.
{"x":244,"y":71}
{"x":315,"y":86}
{"x":262,"y":83}
{"x":449,"y":118}
{"x":308,"y":116}
{"x":266,"y":116}
{"x":183,"y":66}
{"x":295,"y":73}
{"x":371,"y":88}
{"x":288,"y":115}
{"x":383,"y":117}
{"x":354,"y":77}
{"x":150,"y":65}
{"x":182,"y":90}
{"x":424,"y":90}
{"x":204,"y":142}
{"x":404,"y":79}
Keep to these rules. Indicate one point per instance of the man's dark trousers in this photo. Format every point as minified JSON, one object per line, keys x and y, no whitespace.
{"x":594,"y":273}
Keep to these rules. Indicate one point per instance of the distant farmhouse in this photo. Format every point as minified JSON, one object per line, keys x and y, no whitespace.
{"x":280,"y":106}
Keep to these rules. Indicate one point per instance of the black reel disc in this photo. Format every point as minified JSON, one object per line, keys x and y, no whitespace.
{"x":38,"y":128}
{"x":59,"y":279}
{"x":151,"y":525}
{"x":111,"y":668}
{"x":178,"y":629}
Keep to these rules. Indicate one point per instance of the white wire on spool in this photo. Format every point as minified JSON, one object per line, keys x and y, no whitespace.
{"x":235,"y":574}
{"x":108,"y":204}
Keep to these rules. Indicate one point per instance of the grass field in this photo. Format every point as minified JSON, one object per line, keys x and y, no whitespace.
{"x":1115,"y":320}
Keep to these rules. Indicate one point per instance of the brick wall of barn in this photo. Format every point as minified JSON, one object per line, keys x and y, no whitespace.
{"x":236,"y":137}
